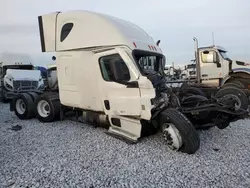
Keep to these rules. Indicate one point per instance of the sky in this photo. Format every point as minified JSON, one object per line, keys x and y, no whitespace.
{"x":175,"y":23}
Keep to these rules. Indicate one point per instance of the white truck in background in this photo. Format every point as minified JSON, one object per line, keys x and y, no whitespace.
{"x":189,"y":72}
{"x":17,"y":75}
{"x":217,"y":69}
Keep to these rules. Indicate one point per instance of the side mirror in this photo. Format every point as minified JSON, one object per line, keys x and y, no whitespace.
{"x":117,"y":70}
{"x":218,"y":64}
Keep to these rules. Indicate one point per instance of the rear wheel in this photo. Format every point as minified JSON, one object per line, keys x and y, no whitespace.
{"x":236,"y":83}
{"x":237,"y":100}
{"x":23,"y":106}
{"x":48,"y":107}
{"x":178,"y":131}
{"x":233,"y":93}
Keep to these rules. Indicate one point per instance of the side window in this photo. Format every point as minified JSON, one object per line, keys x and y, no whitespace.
{"x":113,"y":68}
{"x":208,"y":56}
{"x":66,"y":30}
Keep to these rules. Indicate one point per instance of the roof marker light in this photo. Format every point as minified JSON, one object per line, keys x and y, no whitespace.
{"x":149,"y":47}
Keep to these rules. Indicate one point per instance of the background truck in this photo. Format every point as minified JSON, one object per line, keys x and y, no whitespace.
{"x":17,"y":75}
{"x":103,"y":78}
{"x":217,"y":69}
{"x":189,"y":71}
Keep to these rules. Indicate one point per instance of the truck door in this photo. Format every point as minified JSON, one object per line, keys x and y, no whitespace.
{"x":210,"y":71}
{"x":119,"y":83}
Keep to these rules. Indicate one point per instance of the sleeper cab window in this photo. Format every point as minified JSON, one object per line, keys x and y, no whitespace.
{"x":66,"y":28}
{"x":113,"y":68}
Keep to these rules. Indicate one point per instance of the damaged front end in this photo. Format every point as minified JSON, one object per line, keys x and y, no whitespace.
{"x":202,"y":111}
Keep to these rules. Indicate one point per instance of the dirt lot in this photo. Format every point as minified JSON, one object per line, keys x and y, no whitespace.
{"x":70,"y":154}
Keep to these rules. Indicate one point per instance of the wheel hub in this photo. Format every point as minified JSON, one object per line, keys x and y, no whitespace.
{"x":234,"y":99}
{"x":43,"y":108}
{"x":20,"y":106}
{"x":172,"y":136}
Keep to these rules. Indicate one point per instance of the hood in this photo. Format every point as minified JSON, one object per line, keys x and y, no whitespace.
{"x":236,"y":64}
{"x":241,"y":63}
{"x":16,"y":74}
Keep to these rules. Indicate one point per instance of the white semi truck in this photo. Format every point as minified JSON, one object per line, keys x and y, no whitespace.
{"x":217,"y":69}
{"x":103,"y":79}
{"x":17,"y":75}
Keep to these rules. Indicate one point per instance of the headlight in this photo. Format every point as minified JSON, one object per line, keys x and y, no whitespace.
{"x":9,"y":86}
{"x":41,"y":87}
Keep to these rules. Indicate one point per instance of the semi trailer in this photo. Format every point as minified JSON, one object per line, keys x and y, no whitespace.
{"x":102,"y":79}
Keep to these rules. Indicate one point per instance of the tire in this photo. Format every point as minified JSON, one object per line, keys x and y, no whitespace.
{"x":48,"y":108}
{"x":233,"y":91}
{"x":33,"y":95}
{"x":192,"y":91}
{"x":236,"y":82}
{"x":23,"y":106}
{"x":232,"y":85}
{"x":171,"y":119}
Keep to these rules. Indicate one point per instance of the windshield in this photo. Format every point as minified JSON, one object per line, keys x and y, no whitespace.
{"x":224,"y":55}
{"x":147,"y":61}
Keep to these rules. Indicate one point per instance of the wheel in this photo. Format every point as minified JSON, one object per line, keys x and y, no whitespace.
{"x":192,"y":91}
{"x":48,"y":108}
{"x":235,"y":82}
{"x":23,"y":106}
{"x":231,"y":85}
{"x":178,"y":131}
{"x":233,"y":93}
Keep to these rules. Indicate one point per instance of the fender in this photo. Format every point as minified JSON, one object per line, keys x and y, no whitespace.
{"x":225,"y":79}
{"x":243,"y":70}
{"x":234,"y":71}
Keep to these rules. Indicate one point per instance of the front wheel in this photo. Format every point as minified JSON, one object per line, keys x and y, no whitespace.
{"x":178,"y":131}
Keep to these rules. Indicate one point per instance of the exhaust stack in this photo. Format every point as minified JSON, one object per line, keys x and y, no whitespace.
{"x":198,"y":70}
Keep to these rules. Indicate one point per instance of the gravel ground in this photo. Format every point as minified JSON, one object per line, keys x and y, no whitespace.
{"x":70,"y":154}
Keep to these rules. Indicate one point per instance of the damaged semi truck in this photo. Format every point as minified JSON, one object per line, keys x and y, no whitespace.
{"x":102,"y":80}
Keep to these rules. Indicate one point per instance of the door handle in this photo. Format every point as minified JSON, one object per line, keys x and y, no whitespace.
{"x":204,"y":75}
